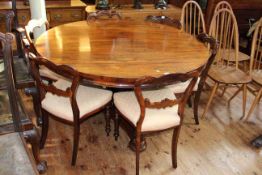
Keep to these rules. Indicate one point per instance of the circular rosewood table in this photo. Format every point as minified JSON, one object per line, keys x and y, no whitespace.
{"x":115,"y":53}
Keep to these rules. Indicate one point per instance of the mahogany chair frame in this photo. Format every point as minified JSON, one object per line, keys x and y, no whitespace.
{"x":192,"y":18}
{"x":20,"y":84}
{"x":70,"y":92}
{"x":151,"y":83}
{"x":28,"y":83}
{"x":224,"y":28}
{"x":202,"y":37}
{"x":256,"y":67}
{"x":27,"y":130}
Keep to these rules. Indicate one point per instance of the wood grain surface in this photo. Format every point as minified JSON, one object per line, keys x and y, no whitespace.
{"x":122,"y":49}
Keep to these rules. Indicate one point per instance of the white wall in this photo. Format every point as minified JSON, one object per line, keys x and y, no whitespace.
{"x":38,"y":10}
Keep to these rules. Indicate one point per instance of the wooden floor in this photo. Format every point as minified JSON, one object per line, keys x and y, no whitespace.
{"x":220,"y":145}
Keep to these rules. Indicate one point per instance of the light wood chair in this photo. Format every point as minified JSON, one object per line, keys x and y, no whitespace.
{"x":156,"y":109}
{"x":66,"y":100}
{"x":223,"y":5}
{"x":256,"y":67}
{"x":192,"y":19}
{"x":242,"y":57}
{"x":225,"y":72}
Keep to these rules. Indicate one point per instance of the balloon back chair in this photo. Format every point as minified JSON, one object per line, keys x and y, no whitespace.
{"x":152,"y":107}
{"x":154,"y":110}
{"x":66,"y":100}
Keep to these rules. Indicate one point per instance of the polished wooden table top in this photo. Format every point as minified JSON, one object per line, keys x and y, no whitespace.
{"x":122,"y":49}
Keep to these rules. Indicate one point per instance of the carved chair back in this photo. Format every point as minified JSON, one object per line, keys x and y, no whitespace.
{"x":63,"y":70}
{"x":9,"y":17}
{"x":6,"y":42}
{"x":156,"y":83}
{"x":256,"y":51}
{"x":224,"y":28}
{"x":192,"y":18}
{"x":32,"y":25}
{"x":223,"y":5}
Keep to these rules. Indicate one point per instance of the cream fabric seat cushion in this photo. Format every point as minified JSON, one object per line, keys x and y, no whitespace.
{"x":88,"y":100}
{"x":181,"y":87}
{"x":2,"y":67}
{"x":155,"y":119}
{"x":45,"y":72}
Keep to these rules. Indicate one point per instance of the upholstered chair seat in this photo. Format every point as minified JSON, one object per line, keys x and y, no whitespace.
{"x":1,"y":66}
{"x":181,"y":87}
{"x":44,"y":72}
{"x":88,"y":99}
{"x":155,"y":119}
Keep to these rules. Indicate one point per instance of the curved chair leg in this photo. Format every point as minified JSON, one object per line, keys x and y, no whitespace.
{"x":76,"y":143}
{"x":210,"y":98}
{"x":138,"y":142}
{"x":244,"y":99}
{"x":107,"y":119}
{"x":189,"y":101}
{"x":116,"y":130}
{"x":32,"y":137}
{"x":197,"y":99}
{"x":255,"y":102}
{"x":45,"y":125}
{"x":196,"y":103}
{"x":174,"y":146}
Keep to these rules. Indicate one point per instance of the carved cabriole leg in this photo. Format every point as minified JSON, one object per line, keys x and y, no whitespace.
{"x":107,"y":119}
{"x":31,"y":136}
{"x":255,"y":102}
{"x":45,"y":125}
{"x":116,"y":130}
{"x":210,"y":98}
{"x":75,"y":143}
{"x":174,"y":145}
